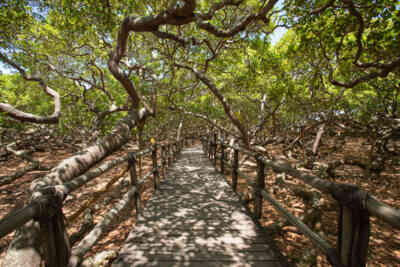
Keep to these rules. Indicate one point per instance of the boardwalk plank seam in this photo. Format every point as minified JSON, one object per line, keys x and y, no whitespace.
{"x":195,"y":219}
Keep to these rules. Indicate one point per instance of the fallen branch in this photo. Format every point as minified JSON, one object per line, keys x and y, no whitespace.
{"x":101,"y":259}
{"x":7,"y":179}
{"x":96,"y":196}
{"x":87,"y":226}
{"x":312,"y":210}
{"x":100,"y":229}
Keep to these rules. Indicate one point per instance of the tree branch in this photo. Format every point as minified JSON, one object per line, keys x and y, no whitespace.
{"x":29,"y":117}
{"x":227,"y":108}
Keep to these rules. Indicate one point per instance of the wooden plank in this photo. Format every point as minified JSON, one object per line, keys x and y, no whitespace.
{"x":172,"y":246}
{"x":196,"y":218}
{"x":121,"y":263}
{"x":199,"y":255}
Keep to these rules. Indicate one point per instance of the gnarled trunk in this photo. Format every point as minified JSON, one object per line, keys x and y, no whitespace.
{"x":24,"y":249}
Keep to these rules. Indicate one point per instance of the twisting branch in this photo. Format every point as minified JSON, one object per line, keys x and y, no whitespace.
{"x":166,"y":35}
{"x":180,"y":14}
{"x":371,"y":70}
{"x":265,"y":117}
{"x":36,"y":165}
{"x":322,"y":8}
{"x":241,"y":26}
{"x":203,"y":117}
{"x":369,"y":76}
{"x":217,"y":7}
{"x":29,"y":117}
{"x":227,"y":108}
{"x":383,"y":70}
{"x":175,"y":15}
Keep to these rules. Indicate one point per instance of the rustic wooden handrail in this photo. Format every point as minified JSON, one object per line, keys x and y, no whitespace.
{"x":46,"y":205}
{"x":356,"y":205}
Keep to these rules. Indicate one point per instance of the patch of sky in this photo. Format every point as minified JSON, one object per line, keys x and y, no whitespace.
{"x":277,"y":35}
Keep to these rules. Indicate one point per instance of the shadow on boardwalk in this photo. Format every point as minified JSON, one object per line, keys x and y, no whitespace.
{"x":195,"y":219}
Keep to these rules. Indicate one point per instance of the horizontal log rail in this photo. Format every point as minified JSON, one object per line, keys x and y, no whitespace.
{"x":356,"y":205}
{"x":46,"y":205}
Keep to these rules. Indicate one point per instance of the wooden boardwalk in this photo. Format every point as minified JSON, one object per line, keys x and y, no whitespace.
{"x":195,"y":219}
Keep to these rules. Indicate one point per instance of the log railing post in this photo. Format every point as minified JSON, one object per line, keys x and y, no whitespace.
{"x":222,"y":157}
{"x":215,"y":150}
{"x":174,"y":151}
{"x":163,"y":159}
{"x":139,"y":163}
{"x":354,"y":225}
{"x":209,"y":146}
{"x":260,"y":184}
{"x":169,"y":155}
{"x":235,"y":166}
{"x":205,"y":144}
{"x":134,"y":180}
{"x":55,"y":242}
{"x":155,"y":166}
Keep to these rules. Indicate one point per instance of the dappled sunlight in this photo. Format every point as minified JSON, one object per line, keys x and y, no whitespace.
{"x":195,"y":219}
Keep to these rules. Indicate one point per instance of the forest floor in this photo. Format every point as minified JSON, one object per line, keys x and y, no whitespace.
{"x":384,"y":246}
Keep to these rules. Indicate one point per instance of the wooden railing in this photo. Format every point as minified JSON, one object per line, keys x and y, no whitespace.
{"x":356,"y":205}
{"x":45,"y":206}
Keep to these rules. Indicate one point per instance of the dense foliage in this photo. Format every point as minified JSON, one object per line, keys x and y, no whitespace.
{"x":338,"y":62}
{"x":324,"y":97}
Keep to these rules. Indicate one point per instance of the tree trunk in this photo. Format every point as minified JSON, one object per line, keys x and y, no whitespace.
{"x":141,"y":146}
{"x":179,"y":133}
{"x":23,"y":250}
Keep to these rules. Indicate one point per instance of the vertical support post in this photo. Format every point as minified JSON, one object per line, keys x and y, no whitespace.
{"x":174,"y":151}
{"x":134,"y":180}
{"x":235,"y":169}
{"x":354,"y":225}
{"x":222,"y":157}
{"x":169,"y":154}
{"x":215,"y":150}
{"x":139,"y":161}
{"x":155,"y":166}
{"x":163,"y":159}
{"x":209,"y":146}
{"x":55,"y":241}
{"x":260,"y":184}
